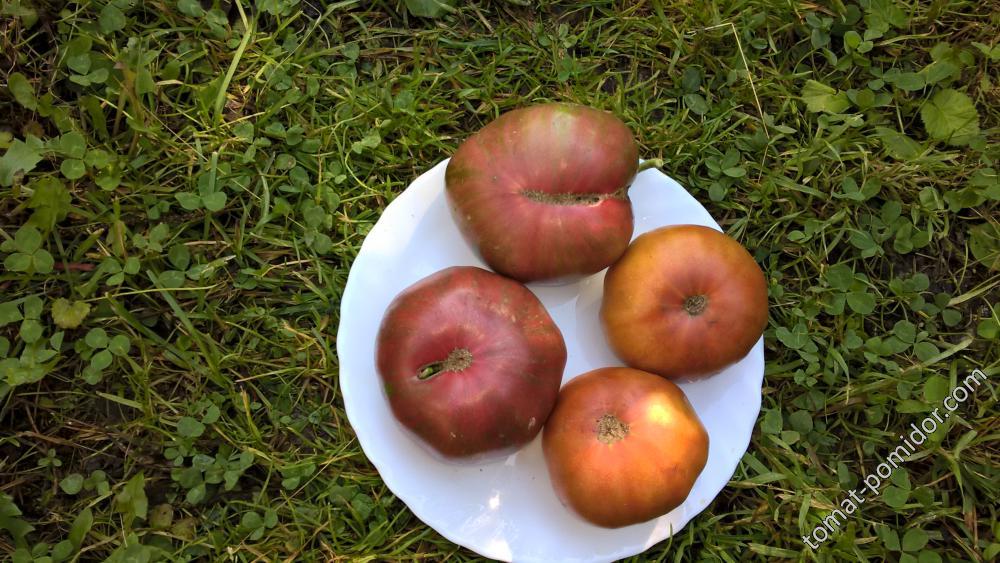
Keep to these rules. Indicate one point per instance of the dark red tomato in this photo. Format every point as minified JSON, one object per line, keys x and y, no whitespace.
{"x":623,"y":446}
{"x":684,"y":301}
{"x":471,"y":361}
{"x":542,"y":191}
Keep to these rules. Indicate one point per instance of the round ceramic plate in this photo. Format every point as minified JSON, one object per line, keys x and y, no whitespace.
{"x":507,"y":509}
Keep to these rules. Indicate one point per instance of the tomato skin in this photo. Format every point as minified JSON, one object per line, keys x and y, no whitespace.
{"x":646,"y":473}
{"x":501,"y":399}
{"x":508,"y":187}
{"x":649,"y":296}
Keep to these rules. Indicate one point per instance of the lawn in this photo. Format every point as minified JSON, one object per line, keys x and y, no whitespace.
{"x":184,"y":186}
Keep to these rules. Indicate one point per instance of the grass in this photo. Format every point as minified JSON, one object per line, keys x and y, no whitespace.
{"x":184,"y":185}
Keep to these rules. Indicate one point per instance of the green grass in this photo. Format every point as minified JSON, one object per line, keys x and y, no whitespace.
{"x":182,"y":193}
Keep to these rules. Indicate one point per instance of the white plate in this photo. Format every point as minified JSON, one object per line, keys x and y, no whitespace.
{"x":507,"y":509}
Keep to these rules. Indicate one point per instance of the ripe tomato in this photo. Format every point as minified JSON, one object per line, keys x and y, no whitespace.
{"x":470,"y":361}
{"x":623,"y":446}
{"x":684,"y":301}
{"x":542,"y":191}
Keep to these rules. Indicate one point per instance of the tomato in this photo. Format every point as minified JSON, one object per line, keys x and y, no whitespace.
{"x":684,"y":301}
{"x":623,"y":446}
{"x":542,"y":191}
{"x":470,"y":361}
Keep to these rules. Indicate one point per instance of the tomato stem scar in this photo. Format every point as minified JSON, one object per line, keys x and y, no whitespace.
{"x":611,"y":429}
{"x":695,"y":304}
{"x":457,"y":360}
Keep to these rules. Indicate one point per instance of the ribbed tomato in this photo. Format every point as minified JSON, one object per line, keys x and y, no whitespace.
{"x":623,"y":446}
{"x":684,"y":301}
{"x":542,"y":191}
{"x":471,"y":362}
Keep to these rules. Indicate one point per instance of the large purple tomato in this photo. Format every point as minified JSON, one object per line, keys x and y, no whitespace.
{"x":542,"y":191}
{"x":471,"y":361}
